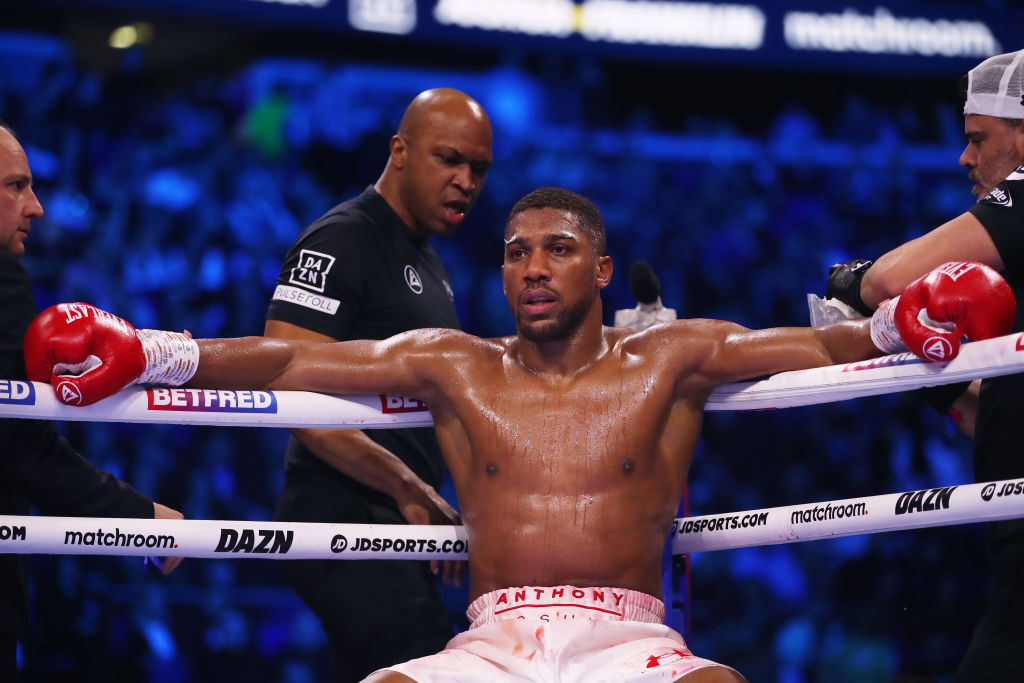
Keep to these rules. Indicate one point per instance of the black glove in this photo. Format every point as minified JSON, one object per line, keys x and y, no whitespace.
{"x":844,"y":284}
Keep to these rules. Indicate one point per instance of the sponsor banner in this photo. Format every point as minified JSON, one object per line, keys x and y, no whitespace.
{"x":269,"y":541}
{"x":212,"y":400}
{"x":301,"y":297}
{"x":883,"y":362}
{"x":386,"y":545}
{"x":828,"y":511}
{"x":227,"y":408}
{"x":880,"y":36}
{"x":401,"y":404}
{"x":928,"y":500}
{"x":17,"y":392}
{"x":938,"y":506}
{"x":115,"y":538}
{"x":229,"y":539}
{"x":698,"y":525}
{"x":996,"y":490}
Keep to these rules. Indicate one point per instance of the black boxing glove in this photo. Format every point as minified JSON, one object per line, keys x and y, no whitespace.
{"x":844,"y":284}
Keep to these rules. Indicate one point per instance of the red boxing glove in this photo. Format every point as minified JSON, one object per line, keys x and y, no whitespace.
{"x":102,"y":351}
{"x":957,"y":299}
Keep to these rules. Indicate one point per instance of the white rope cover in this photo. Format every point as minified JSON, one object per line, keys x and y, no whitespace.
{"x":942,"y":506}
{"x":887,"y":374}
{"x":898,"y":372}
{"x":227,"y":408}
{"x":228,"y":539}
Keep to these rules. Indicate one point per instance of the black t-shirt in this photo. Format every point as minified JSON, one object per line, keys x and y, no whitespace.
{"x":997,"y":449}
{"x":359,"y":272}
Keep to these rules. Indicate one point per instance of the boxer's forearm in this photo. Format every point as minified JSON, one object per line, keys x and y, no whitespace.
{"x":362,"y":366}
{"x":848,"y":341}
{"x":243,"y":363}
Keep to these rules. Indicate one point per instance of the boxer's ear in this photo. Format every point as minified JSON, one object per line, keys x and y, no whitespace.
{"x":603,"y":266}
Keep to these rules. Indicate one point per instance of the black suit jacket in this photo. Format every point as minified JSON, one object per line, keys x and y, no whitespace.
{"x":37,"y":465}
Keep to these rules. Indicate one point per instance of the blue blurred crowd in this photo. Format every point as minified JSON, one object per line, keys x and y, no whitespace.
{"x":173,"y":207}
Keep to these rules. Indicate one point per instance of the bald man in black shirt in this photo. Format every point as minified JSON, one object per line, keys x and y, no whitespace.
{"x":366,"y":270}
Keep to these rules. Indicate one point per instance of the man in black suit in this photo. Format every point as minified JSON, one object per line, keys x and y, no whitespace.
{"x":38,"y":466}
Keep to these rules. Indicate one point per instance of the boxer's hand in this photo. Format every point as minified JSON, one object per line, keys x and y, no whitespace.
{"x":85,"y":353}
{"x":957,"y":299}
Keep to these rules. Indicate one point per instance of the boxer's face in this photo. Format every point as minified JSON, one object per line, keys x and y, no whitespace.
{"x":994,"y":149}
{"x":18,"y":203}
{"x":552,"y":273}
{"x":444,"y":162}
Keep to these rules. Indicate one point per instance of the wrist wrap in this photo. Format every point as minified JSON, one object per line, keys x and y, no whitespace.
{"x":171,"y":357}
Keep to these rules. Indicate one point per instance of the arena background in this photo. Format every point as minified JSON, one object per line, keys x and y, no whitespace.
{"x":177,"y":167}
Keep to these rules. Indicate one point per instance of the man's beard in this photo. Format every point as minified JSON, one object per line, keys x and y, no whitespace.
{"x":564,"y":324}
{"x":1006,"y":159}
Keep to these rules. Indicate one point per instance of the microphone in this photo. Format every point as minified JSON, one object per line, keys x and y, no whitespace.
{"x":646,"y":289}
{"x":643,"y":283}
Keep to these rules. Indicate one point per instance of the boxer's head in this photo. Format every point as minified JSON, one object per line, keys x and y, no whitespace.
{"x":554,"y":266}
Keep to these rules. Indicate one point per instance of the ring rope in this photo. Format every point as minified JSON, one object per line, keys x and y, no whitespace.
{"x":942,"y":506}
{"x":229,"y":539}
{"x":886,"y":374}
{"x":898,"y":372}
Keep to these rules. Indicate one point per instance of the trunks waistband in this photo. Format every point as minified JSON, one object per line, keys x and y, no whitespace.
{"x":544,"y":603}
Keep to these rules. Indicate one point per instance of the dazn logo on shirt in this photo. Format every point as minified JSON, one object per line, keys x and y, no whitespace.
{"x":312,"y":269}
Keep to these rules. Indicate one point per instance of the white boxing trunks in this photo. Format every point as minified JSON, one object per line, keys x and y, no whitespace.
{"x":561,"y":635}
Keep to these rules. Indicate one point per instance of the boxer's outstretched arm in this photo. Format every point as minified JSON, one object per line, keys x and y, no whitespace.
{"x":410,"y":363}
{"x":730,"y":352}
{"x":930,"y":317}
{"x":88,"y":354}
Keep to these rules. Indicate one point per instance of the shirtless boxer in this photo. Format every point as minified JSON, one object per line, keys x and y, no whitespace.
{"x":568,"y":443}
